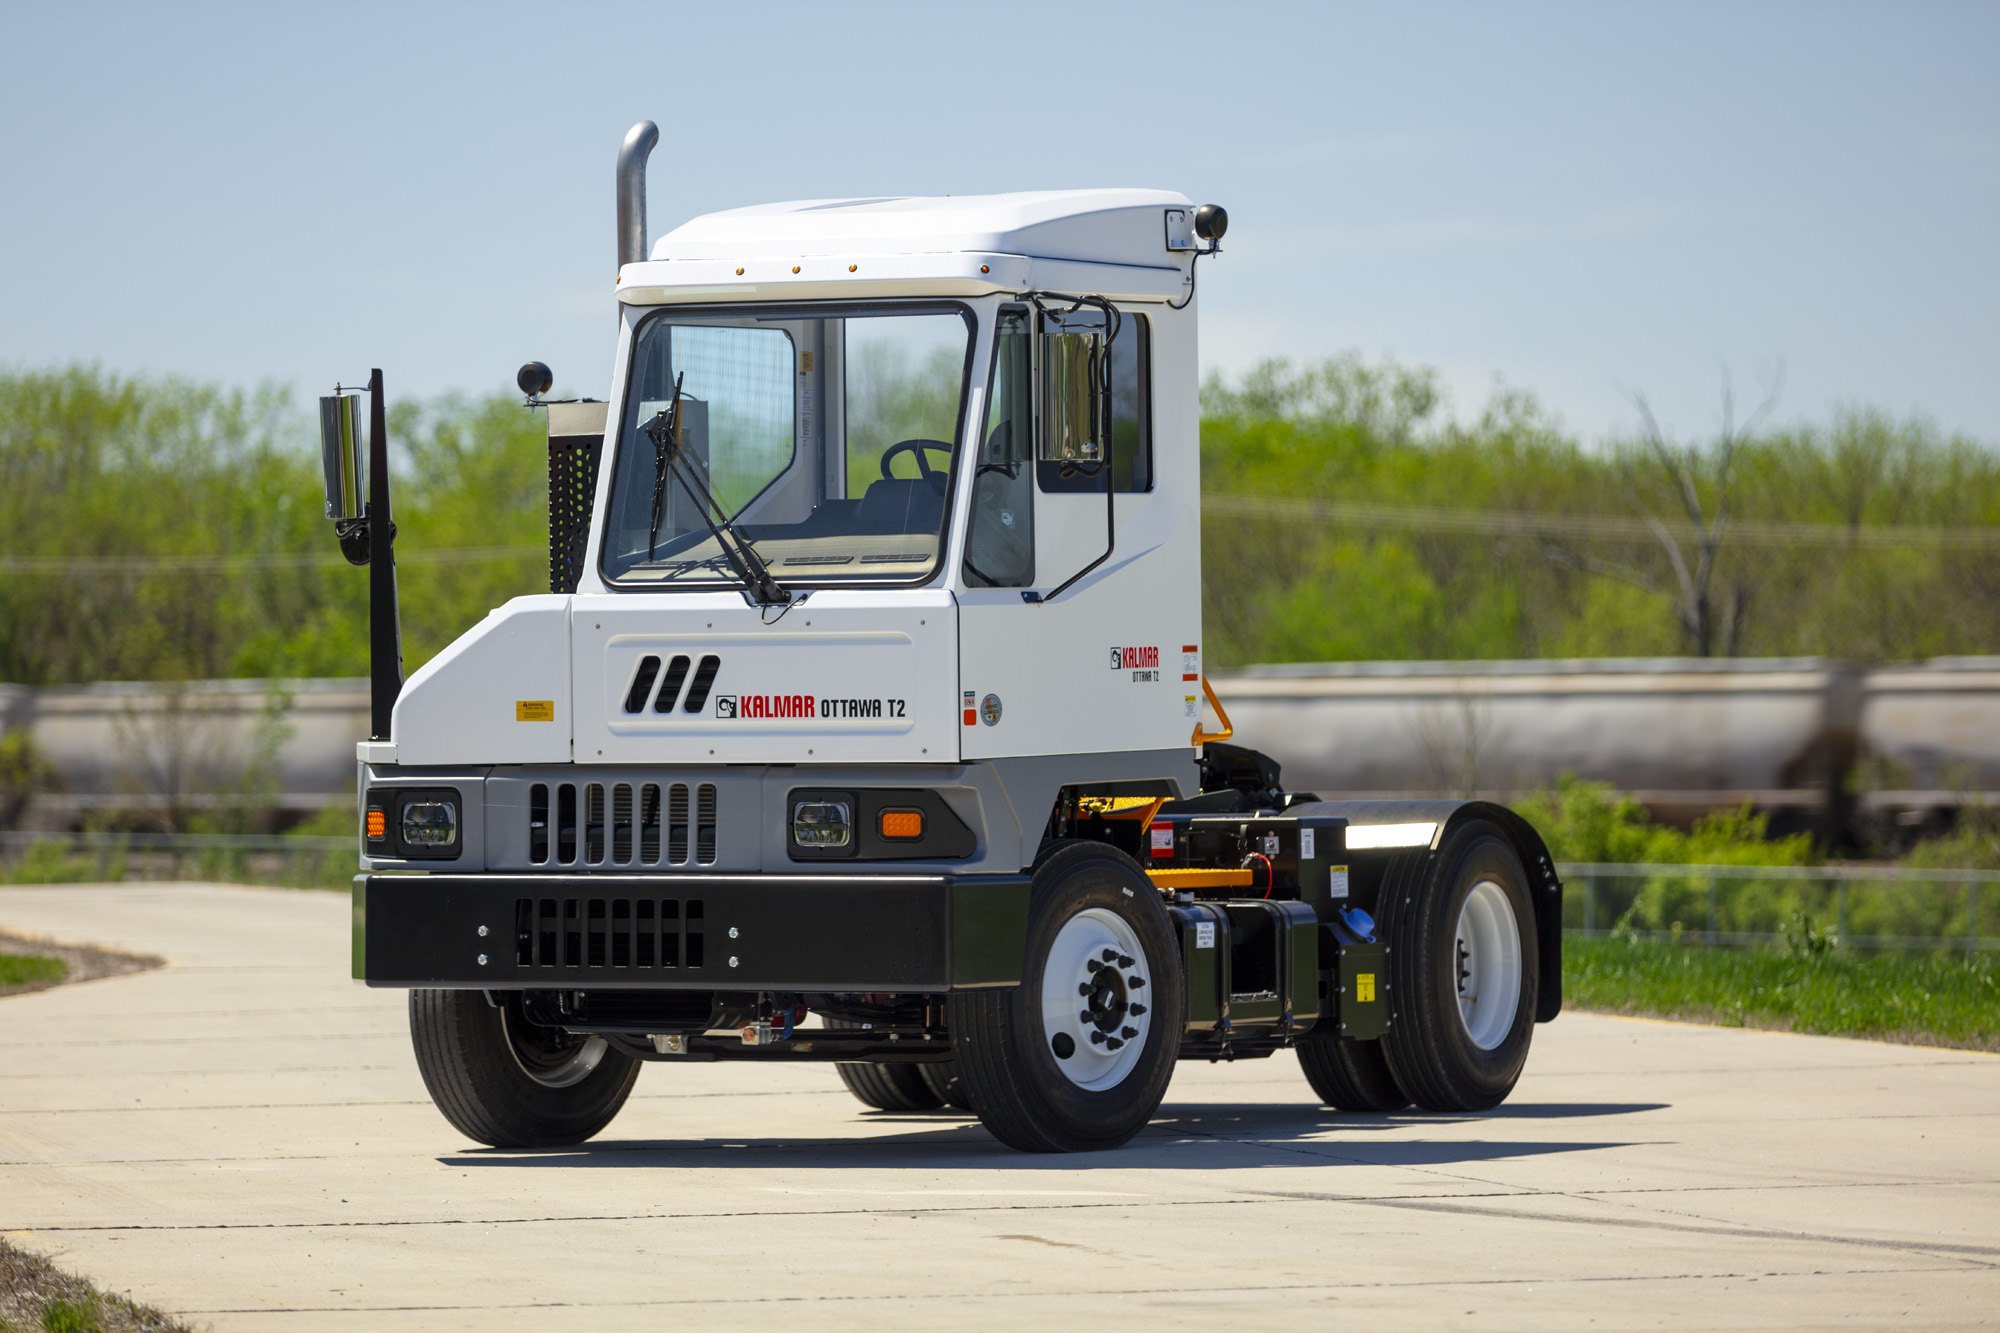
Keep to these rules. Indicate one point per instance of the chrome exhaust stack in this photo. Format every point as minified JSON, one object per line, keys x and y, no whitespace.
{"x":639,"y":141}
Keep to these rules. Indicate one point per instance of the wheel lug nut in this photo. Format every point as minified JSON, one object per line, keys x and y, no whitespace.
{"x":1135,"y":982}
{"x":1096,"y":1038}
{"x":1112,"y":1043}
{"x":1128,"y":1033}
{"x":1085,"y":1016}
{"x":1110,"y":955}
{"x":1083,"y":989}
{"x":1091,"y":965}
{"x":1124,"y":961}
{"x":1136,"y":1010}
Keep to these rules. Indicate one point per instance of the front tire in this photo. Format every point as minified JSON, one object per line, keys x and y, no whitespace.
{"x":1464,"y":968}
{"x":1077,"y":1057}
{"x":504,"y":1081}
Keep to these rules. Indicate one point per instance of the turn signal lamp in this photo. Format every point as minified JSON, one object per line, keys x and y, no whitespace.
{"x":378,"y":825}
{"x":902,"y":824}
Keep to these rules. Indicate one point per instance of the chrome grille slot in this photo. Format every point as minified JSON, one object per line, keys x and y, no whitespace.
{"x":593,"y":823}
{"x":677,"y":824}
{"x":620,"y":934}
{"x":621,"y":823}
{"x":538,"y":823}
{"x":704,"y":820}
{"x":649,"y":823}
{"x":566,"y":823}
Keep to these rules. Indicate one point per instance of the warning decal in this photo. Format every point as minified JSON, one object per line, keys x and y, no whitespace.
{"x":1364,"y":987}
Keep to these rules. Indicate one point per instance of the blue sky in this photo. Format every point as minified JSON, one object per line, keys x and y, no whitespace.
{"x":1585,"y":200}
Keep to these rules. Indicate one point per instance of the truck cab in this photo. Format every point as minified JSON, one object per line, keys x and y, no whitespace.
{"x":864,"y":718}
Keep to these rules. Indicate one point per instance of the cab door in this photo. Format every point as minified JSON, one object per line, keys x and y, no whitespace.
{"x":1095,"y":666}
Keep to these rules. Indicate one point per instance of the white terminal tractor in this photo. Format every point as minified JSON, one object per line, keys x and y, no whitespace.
{"x":865,"y":718}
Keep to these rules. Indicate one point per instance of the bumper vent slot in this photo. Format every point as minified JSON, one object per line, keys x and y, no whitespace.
{"x":608,"y":934}
{"x":612,"y":814}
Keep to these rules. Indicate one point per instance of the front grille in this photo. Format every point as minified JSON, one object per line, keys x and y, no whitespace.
{"x":618,"y":934}
{"x":609,"y":813}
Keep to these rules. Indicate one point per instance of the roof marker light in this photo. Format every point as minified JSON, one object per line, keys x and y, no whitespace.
{"x":983,"y":268}
{"x":852,"y":267}
{"x":795,"y":268}
{"x":739,"y":272}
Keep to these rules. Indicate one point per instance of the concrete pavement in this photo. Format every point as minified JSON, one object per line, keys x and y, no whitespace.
{"x":242,"y":1137}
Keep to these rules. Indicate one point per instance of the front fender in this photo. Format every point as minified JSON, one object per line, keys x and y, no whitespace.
{"x":1401,"y":824}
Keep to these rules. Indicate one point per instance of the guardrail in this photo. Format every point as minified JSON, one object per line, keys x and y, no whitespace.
{"x":1867,"y":907}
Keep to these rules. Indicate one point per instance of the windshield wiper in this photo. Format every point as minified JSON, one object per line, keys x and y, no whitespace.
{"x":664,"y":430}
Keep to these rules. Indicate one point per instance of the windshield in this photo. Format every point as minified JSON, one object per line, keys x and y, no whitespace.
{"x":826,"y":436}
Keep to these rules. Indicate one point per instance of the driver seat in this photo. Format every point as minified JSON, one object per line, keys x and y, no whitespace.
{"x":903,"y":504}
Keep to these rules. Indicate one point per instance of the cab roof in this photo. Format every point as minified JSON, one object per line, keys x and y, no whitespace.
{"x":1092,"y":226}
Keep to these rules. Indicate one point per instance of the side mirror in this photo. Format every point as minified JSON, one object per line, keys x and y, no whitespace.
{"x":535,"y":379}
{"x":340,"y":453}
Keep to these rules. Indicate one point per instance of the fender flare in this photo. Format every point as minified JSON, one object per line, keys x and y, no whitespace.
{"x":1544,"y":887}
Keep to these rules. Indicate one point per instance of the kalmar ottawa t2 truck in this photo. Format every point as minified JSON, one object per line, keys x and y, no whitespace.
{"x":864,"y":720}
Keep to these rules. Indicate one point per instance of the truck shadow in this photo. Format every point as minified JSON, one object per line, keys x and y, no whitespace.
{"x":1182,"y":1137}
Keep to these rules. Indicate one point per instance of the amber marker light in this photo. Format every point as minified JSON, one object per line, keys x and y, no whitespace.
{"x":852,"y":267}
{"x":378,"y":825}
{"x":902,"y":824}
{"x":795,"y":268}
{"x":983,"y":268}
{"x":739,"y":272}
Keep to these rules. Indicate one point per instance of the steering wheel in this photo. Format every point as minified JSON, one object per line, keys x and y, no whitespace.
{"x":916,"y":447}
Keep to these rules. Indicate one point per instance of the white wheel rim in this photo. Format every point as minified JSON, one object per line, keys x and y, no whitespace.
{"x":550,"y":1063}
{"x":1086,"y":995}
{"x":1487,"y":965}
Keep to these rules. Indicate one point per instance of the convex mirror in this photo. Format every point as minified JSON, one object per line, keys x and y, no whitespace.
{"x":1074,"y":404}
{"x":340,"y":449}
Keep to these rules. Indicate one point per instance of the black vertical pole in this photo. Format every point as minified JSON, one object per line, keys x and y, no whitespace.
{"x":385,"y":630}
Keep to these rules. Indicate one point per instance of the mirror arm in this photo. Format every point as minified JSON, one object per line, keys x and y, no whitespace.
{"x":385,"y":628}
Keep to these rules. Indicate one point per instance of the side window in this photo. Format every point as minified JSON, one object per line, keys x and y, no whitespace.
{"x":1069,"y":454}
{"x":1000,"y":541}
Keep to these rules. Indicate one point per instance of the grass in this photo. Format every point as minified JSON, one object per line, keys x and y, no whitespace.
{"x":30,"y":970}
{"x":1923,"y":999}
{"x":38,"y":1297}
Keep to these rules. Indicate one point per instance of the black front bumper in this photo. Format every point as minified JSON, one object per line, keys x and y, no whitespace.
{"x":825,"y":932}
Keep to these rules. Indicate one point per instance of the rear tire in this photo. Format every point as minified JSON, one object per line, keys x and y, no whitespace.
{"x":1351,"y":1075}
{"x":503,"y":1081}
{"x":889,"y":1087}
{"x":943,"y":1080}
{"x":1463,"y":969}
{"x":1077,"y":1057}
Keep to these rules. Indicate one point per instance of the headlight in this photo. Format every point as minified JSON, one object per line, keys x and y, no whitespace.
{"x":822,"y":824}
{"x":430,"y":824}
